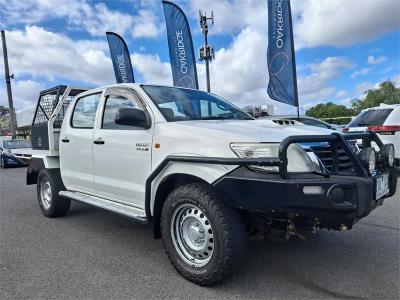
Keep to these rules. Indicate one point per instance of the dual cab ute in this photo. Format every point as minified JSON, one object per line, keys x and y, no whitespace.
{"x":202,"y":171}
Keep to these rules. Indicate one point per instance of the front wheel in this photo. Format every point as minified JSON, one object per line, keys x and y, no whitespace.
{"x":3,"y":163}
{"x":204,"y":238}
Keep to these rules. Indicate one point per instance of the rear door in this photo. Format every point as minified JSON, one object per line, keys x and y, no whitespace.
{"x":122,"y":155}
{"x":76,"y":144}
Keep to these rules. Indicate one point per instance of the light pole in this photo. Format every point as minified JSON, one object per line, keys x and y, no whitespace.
{"x":206,"y":51}
{"x":8,"y":83}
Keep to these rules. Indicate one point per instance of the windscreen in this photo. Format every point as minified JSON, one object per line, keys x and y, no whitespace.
{"x":375,"y":117}
{"x":17,"y":144}
{"x":178,"y":104}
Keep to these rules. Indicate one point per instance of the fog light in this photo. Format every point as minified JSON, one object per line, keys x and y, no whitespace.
{"x":367,"y":157}
{"x":313,"y":190}
{"x":337,"y":195}
{"x":387,"y":154}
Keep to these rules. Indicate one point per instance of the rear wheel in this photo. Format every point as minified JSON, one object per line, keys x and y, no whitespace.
{"x":204,"y":238}
{"x":48,"y":185}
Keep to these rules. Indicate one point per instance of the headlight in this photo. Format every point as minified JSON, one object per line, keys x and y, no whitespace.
{"x":298,"y":159}
{"x":387,"y":154}
{"x":367,"y":157}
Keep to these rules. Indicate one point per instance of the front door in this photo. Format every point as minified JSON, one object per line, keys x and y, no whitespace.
{"x":76,"y":145}
{"x":121,"y":153}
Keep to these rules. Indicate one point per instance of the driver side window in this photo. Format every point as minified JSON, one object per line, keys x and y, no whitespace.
{"x":115,"y":101}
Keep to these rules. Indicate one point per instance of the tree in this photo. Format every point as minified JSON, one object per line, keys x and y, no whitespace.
{"x":5,"y":123}
{"x":4,"y":110}
{"x":255,"y":110}
{"x":331,"y":111}
{"x":387,"y":93}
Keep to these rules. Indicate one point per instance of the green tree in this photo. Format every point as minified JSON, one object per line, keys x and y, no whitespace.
{"x":387,"y":93}
{"x":331,"y":112}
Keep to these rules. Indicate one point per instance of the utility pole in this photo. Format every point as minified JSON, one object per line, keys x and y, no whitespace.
{"x":8,"y":83}
{"x":206,"y":51}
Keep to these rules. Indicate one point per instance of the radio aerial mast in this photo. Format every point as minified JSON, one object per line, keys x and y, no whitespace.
{"x":8,"y":83}
{"x":206,"y":51}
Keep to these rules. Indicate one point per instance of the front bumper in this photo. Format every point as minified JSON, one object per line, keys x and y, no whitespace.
{"x":343,"y":200}
{"x":12,"y":160}
{"x":346,"y":198}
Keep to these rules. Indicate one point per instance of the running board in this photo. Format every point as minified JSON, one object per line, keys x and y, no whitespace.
{"x":119,"y":208}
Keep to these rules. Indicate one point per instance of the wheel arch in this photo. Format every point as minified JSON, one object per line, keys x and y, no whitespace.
{"x":38,"y":163}
{"x":166,"y":186}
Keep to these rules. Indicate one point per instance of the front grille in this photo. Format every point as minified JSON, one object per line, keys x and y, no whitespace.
{"x":343,"y":165}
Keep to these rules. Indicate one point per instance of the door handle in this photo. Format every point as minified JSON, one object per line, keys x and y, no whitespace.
{"x":65,"y":140}
{"x":99,"y":141}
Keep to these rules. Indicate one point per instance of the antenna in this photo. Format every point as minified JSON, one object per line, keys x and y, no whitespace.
{"x":8,"y":77}
{"x":206,"y":51}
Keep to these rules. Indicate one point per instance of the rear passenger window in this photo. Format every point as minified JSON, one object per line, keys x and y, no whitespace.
{"x":85,"y":111}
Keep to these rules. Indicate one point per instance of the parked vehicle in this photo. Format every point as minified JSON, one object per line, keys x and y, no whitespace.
{"x":306,"y":120}
{"x":384,"y":120}
{"x":15,"y":153}
{"x":202,"y":171}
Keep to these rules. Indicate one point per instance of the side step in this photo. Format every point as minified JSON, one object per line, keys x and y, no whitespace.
{"x":119,"y":208}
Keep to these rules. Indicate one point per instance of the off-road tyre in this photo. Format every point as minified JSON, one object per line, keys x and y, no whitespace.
{"x":55,"y":206}
{"x":229,"y":233}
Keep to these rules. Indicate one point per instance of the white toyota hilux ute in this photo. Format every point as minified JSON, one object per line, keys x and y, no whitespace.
{"x":204,"y":173}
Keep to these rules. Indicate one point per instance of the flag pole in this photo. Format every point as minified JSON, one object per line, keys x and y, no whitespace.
{"x":294,"y":62}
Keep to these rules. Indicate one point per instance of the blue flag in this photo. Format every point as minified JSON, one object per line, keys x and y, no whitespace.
{"x":181,"y":53}
{"x":120,"y":58}
{"x":282,"y":84}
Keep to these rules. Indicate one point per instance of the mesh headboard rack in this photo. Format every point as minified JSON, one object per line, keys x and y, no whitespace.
{"x":47,"y":102}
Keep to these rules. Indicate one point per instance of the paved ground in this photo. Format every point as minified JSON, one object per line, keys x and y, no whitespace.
{"x":95,"y":254}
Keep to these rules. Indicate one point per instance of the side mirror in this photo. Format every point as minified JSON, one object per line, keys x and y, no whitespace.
{"x":132,"y":117}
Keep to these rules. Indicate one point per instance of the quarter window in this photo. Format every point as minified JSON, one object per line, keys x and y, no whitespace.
{"x":85,"y":111}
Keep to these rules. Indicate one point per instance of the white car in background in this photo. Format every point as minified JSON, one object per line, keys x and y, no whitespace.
{"x":384,"y":120}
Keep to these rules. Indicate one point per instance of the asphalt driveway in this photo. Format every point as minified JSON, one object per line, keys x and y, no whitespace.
{"x":92,"y":253}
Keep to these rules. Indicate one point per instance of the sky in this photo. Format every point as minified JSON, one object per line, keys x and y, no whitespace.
{"x":343,"y":48}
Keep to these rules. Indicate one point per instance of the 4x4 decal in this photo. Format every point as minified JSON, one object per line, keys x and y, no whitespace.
{"x":143,"y":146}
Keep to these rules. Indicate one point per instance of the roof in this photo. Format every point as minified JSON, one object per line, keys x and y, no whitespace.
{"x":136,"y":84}
{"x":382,"y":106}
